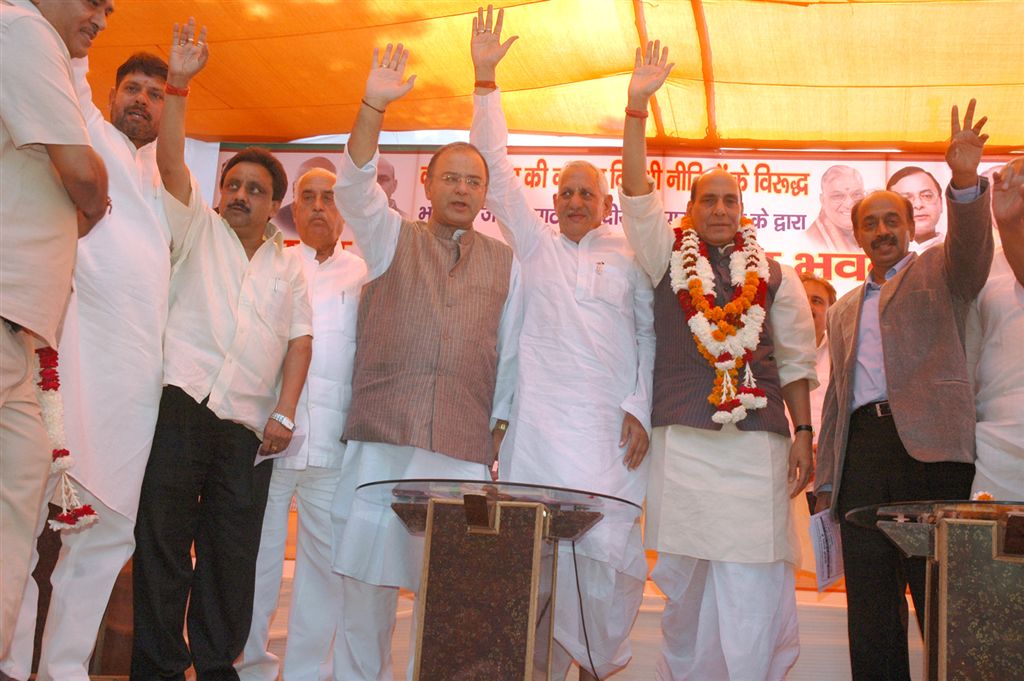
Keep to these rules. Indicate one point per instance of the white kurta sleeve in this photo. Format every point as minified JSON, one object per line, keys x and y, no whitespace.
{"x":792,"y":329}
{"x":508,"y":346}
{"x":648,"y":233}
{"x":364,"y":205}
{"x":93,"y":116}
{"x":639,"y":402}
{"x":519,"y":223}
{"x":184,"y":221}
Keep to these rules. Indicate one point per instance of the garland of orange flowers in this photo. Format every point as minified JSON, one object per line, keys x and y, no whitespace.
{"x":726,"y":335}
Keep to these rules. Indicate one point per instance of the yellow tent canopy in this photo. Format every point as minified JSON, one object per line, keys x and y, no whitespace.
{"x":762,"y":74}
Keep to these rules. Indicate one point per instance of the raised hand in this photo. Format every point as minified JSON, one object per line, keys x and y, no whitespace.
{"x":1008,"y":195}
{"x":650,"y":69}
{"x":966,"y":145}
{"x":385,"y":83}
{"x":189,"y":53}
{"x":486,"y":46}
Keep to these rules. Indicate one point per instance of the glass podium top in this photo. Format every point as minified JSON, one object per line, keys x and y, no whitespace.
{"x":930,"y":512}
{"x":421,"y":490}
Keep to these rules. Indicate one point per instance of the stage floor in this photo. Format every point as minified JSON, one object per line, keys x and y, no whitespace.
{"x":823,"y":655}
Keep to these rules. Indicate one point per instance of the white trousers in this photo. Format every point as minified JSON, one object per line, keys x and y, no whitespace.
{"x":25,"y":455}
{"x":611,"y":600}
{"x":87,"y":567}
{"x":726,"y":621}
{"x":316,"y":590}
{"x":366,"y":624}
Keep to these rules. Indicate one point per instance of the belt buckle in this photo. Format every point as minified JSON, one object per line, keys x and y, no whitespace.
{"x":882,"y":409}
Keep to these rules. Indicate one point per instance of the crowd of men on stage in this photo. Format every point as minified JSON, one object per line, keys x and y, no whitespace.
{"x":666,"y":364}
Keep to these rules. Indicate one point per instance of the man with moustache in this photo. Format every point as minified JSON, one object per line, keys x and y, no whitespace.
{"x":239,"y":326}
{"x":587,"y":332}
{"x":841,"y":187}
{"x":898,"y":421}
{"x":111,"y":370}
{"x":310,"y":472}
{"x":723,"y":466}
{"x":54,"y":188}
{"x":284,"y":219}
{"x":438,"y":325}
{"x":921,"y":188}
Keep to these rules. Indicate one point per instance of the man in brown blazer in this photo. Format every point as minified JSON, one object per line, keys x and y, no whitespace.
{"x":898,"y":420}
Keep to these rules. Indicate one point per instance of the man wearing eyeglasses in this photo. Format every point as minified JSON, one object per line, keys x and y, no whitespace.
{"x":921,"y":188}
{"x":436,"y":339}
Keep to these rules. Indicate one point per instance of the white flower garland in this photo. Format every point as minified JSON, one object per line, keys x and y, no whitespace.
{"x":687,"y":264}
{"x":74,"y":514}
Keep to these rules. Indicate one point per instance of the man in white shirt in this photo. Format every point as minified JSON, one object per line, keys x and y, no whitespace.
{"x":581,"y":414}
{"x":309,"y":472}
{"x":111,"y":371}
{"x":995,"y":327}
{"x":735,"y":351}
{"x":438,"y":327}
{"x":239,"y":326}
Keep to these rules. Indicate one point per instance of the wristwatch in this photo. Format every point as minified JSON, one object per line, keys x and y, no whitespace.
{"x":806,"y":427}
{"x":284,"y":421}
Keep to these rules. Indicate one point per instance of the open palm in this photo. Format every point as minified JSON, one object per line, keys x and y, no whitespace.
{"x":188,"y":53}
{"x":486,"y":46}
{"x":650,"y":69}
{"x":1008,"y":195}
{"x":386,"y":81}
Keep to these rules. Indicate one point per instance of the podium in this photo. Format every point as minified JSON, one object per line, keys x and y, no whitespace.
{"x":974,"y":618}
{"x":487,"y":592}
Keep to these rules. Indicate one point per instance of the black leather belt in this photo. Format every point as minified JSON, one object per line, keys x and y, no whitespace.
{"x":877,"y":409}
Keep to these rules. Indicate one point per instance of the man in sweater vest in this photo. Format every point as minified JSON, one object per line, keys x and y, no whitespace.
{"x":437,"y":332}
{"x":730,"y":322}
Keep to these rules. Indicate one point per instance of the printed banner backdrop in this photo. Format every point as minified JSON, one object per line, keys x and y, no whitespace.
{"x":800,"y":202}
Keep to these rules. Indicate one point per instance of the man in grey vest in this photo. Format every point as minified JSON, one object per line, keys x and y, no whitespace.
{"x":437,"y":332}
{"x":734,"y":330}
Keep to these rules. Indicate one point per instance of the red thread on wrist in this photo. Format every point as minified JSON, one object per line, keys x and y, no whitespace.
{"x":176,"y":91}
{"x":635,"y":113}
{"x":489,"y":84}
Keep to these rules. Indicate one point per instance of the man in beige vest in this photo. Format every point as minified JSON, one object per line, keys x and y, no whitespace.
{"x":54,"y":188}
{"x":436,"y":340}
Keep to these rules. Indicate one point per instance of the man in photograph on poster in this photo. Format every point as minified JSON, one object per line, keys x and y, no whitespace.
{"x":920,"y":187}
{"x":841,"y":187}
{"x":898,"y":422}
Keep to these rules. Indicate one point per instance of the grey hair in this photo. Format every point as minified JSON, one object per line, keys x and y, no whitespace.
{"x":602,"y":181}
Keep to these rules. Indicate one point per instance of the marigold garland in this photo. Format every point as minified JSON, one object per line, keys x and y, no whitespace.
{"x":74,"y":514}
{"x":725,"y":335}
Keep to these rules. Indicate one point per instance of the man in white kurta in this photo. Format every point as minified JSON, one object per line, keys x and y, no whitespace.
{"x":995,"y":327}
{"x":718,"y":499}
{"x":373,"y":552}
{"x":586,"y":357}
{"x":309,"y":472}
{"x":111,"y":371}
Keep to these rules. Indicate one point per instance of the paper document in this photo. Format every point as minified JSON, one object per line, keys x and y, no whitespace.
{"x":293,"y":448}
{"x":828,"y":549}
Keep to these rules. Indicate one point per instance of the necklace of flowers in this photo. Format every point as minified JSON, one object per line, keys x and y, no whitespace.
{"x":73,"y":513}
{"x":725,"y":335}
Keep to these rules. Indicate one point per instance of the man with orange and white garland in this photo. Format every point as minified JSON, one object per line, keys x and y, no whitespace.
{"x":721,"y":474}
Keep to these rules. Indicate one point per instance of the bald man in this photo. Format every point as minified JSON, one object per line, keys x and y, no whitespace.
{"x":309,"y":473}
{"x":841,"y":187}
